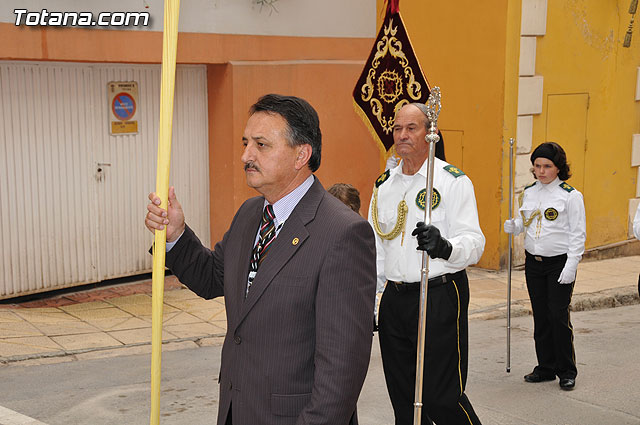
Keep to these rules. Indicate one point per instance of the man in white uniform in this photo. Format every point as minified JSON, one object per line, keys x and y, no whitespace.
{"x":453,"y":241}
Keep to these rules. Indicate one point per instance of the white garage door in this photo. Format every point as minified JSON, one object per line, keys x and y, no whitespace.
{"x":72,"y":196}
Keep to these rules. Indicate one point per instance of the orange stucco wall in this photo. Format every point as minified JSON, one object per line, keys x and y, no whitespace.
{"x":93,"y":45}
{"x":462,"y":49}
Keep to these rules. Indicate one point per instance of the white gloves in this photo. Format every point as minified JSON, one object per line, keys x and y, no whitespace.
{"x":392,"y":162}
{"x":568,"y":275}
{"x":511,"y":226}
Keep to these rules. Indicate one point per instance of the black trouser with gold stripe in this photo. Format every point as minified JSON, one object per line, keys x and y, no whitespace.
{"x":550,"y":300}
{"x":446,"y":349}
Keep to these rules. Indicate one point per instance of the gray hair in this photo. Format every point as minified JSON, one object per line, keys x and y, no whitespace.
{"x":423,"y":108}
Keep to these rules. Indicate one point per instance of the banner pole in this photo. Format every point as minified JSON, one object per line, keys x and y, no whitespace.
{"x":169,"y":49}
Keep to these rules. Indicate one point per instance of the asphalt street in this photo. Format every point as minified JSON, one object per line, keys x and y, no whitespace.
{"x":116,"y":390}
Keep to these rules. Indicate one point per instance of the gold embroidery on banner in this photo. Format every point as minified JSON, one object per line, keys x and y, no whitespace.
{"x":367,"y":88}
{"x":413,"y":87}
{"x":390,"y":85}
{"x":384,"y":43}
{"x":398,"y":106}
{"x":376,"y":110}
{"x":395,"y":48}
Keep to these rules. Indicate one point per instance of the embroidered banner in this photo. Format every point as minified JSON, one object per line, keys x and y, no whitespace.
{"x":391,"y":78}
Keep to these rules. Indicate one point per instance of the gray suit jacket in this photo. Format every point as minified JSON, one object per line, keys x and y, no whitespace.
{"x":297,"y":348}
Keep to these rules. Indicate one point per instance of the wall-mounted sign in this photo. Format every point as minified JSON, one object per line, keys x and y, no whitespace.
{"x":123,"y":101}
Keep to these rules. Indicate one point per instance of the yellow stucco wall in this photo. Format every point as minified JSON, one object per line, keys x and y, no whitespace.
{"x":589,"y":91}
{"x":471,"y":50}
{"x":510,"y":119}
{"x":461,"y":48}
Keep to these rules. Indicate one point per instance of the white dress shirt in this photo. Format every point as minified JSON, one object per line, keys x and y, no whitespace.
{"x":548,"y":236}
{"x":456,"y":216}
{"x":282,"y":209}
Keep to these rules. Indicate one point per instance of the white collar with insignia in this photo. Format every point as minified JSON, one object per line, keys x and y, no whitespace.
{"x":550,"y":186}
{"x":423,"y":169}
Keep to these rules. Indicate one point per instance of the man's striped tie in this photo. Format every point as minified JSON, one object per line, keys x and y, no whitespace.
{"x":267,"y":236}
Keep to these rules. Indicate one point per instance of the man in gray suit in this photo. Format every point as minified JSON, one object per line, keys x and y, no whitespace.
{"x":297,"y":270}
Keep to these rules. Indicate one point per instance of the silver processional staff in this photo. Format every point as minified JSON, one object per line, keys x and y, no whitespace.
{"x":433,"y":111}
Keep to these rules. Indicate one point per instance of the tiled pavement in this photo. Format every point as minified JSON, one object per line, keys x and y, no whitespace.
{"x":116,"y":320}
{"x":599,"y":284}
{"x":103,"y":321}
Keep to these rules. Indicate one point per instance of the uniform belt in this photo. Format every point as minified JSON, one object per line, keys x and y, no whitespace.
{"x":415,"y":286}
{"x":543,"y":259}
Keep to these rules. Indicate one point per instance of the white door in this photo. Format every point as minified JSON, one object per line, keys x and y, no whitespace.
{"x":73,"y":197}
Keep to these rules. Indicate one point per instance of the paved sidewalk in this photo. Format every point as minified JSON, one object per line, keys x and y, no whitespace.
{"x":116,"y":320}
{"x":599,"y":284}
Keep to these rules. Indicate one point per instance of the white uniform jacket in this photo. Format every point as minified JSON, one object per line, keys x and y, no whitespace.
{"x":454,"y":213}
{"x":558,"y":225}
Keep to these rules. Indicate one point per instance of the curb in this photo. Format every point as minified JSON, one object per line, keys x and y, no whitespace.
{"x":110,"y":351}
{"x":608,"y":298}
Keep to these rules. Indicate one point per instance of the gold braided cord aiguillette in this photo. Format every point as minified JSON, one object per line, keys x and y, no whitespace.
{"x":402,"y":217}
{"x":535,"y":214}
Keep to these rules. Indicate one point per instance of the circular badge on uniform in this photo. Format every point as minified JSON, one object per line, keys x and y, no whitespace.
{"x":550,"y":214}
{"x":435,"y":199}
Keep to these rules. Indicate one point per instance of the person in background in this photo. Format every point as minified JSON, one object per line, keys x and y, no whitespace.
{"x":349,"y":195}
{"x":552,"y":216}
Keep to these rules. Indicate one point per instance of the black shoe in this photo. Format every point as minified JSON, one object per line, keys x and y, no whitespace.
{"x":567,"y":384}
{"x":535,"y":377}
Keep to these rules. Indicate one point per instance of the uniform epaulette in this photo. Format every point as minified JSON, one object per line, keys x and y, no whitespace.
{"x":382,"y":178}
{"x":454,"y":171}
{"x":529,"y":185}
{"x":567,"y":187}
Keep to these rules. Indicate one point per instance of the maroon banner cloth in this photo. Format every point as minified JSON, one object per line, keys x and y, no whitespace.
{"x":391,"y":78}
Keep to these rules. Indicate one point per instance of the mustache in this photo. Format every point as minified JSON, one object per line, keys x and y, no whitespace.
{"x":251,"y":165}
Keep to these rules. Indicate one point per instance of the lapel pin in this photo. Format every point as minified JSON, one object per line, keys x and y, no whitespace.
{"x":295,"y":241}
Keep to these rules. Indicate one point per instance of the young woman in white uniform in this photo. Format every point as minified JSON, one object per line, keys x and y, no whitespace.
{"x":553,"y":218}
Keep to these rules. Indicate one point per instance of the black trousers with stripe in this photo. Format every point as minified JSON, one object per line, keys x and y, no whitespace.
{"x":550,"y":300}
{"x":446,"y":351}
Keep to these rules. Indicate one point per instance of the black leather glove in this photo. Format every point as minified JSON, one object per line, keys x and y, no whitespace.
{"x":429,"y":240}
